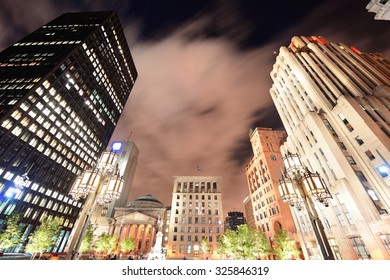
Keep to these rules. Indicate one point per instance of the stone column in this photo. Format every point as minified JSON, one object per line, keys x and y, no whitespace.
{"x":144,"y":239}
{"x":137,"y":236}
{"x":152,"y":237}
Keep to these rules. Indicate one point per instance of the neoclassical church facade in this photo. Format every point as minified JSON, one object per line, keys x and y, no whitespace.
{"x":141,"y":219}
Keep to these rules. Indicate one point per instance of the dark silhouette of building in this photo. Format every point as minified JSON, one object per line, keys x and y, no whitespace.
{"x":62,"y":91}
{"x":233,"y":220}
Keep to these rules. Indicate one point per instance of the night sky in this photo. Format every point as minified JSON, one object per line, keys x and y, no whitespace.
{"x":204,"y":75}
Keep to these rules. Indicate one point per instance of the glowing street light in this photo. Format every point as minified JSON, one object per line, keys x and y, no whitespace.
{"x":299,"y":187}
{"x":100,"y":185}
{"x":384,"y":171}
{"x":18,"y":185}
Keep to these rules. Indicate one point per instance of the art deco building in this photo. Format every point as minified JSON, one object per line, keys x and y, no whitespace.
{"x":196,"y":214}
{"x":263,"y":173}
{"x":233,"y":220}
{"x":334,"y":103}
{"x":381,"y":8}
{"x":62,"y":91}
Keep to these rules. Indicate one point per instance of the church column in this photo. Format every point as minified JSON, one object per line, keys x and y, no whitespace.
{"x":126,"y":231}
{"x":137,"y":237}
{"x":132,"y":231}
{"x":144,"y":239}
{"x":152,"y":238}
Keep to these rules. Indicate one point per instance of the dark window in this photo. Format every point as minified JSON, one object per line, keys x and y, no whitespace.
{"x":361,"y":176}
{"x":370,"y":155}
{"x":351,"y":160}
{"x":345,"y":121}
{"x":359,"y":141}
{"x":341,"y":145}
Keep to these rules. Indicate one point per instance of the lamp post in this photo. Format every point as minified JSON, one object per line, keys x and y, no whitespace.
{"x":299,"y":187}
{"x":19,"y":183}
{"x":100,"y":185}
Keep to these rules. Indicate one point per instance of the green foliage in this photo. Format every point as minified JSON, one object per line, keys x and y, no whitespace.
{"x":205,"y":246}
{"x":222,"y":247}
{"x":11,"y":235}
{"x":127,"y":244}
{"x":106,"y":243}
{"x":88,"y":238}
{"x":244,"y":244}
{"x":45,"y":236}
{"x":285,"y":245}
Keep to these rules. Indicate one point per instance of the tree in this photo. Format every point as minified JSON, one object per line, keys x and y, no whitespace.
{"x":11,"y":235}
{"x":285,"y":245}
{"x":44,"y":237}
{"x":88,"y":238}
{"x":222,"y":247}
{"x":227,"y":243}
{"x":205,"y":246}
{"x":106,"y":243}
{"x":245,"y":243}
{"x":127,"y":244}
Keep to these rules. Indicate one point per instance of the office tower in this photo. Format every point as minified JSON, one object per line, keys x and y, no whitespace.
{"x":263,"y":173}
{"x":233,"y":220}
{"x":196,"y":214}
{"x":167,"y":219}
{"x":381,"y":8}
{"x":127,"y":164}
{"x":334,"y":103}
{"x":62,"y":91}
{"x":114,"y":173}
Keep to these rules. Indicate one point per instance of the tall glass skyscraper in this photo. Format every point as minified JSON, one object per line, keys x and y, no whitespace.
{"x":62,"y":91}
{"x":334,"y":102}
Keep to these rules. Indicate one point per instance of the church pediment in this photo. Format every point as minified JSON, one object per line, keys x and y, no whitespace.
{"x":136,"y":217}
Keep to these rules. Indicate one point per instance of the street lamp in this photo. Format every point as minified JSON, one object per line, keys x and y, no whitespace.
{"x":384,"y":171}
{"x":19,"y":183}
{"x":100,"y":185}
{"x":299,"y":187}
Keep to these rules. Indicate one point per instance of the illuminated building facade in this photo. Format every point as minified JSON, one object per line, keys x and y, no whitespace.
{"x":334,"y":103}
{"x":196,"y":213}
{"x":127,"y":165}
{"x":248,"y":207}
{"x":167,"y":220}
{"x":115,"y":170}
{"x":381,"y":8}
{"x":62,"y":91}
{"x":263,"y":173}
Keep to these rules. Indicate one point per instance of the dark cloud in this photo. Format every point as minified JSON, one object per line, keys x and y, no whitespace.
{"x":248,"y":24}
{"x":267,"y":117}
{"x":242,"y":152}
